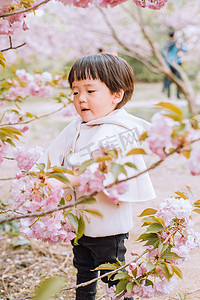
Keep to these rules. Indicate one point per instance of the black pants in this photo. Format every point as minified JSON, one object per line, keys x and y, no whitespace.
{"x":92,"y":252}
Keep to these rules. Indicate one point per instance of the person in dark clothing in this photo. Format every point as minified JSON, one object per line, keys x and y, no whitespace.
{"x":172,"y":52}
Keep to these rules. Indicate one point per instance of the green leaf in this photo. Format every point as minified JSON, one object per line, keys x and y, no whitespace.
{"x":147,"y":236}
{"x":94,"y":212}
{"x":143,"y":136}
{"x":129,"y":287}
{"x":175,"y":117}
{"x":148,"y":282}
{"x":165,"y":271}
{"x":152,"y":241}
{"x":84,"y":165}
{"x":107,"y":266}
{"x":150,"y":266}
{"x":2,"y":63}
{"x":151,"y":220}
{"x":121,"y":286}
{"x":116,"y":170}
{"x":62,"y":178}
{"x":147,"y":212}
{"x":73,"y":220}
{"x":49,"y":288}
{"x":197,"y":210}
{"x":171,"y":107}
{"x":182,"y":195}
{"x":41,"y":166}
{"x":81,"y":228}
{"x":136,"y":151}
{"x":88,"y":201}
{"x":177,"y":271}
{"x":131,"y":165}
{"x":170,"y":255}
{"x":134,"y":272}
{"x":20,"y":242}
{"x":162,"y":247}
{"x":62,"y":201}
{"x":121,"y":275}
{"x":62,"y":169}
{"x":154,"y":228}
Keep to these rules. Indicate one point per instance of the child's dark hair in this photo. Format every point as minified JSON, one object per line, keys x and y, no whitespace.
{"x":114,"y":71}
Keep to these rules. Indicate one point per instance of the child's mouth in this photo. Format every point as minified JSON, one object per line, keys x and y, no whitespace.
{"x":85,"y":109}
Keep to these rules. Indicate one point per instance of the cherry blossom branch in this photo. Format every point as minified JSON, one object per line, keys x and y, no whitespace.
{"x":104,"y":275}
{"x":24,"y":10}
{"x":11,"y":45}
{"x":85,"y":198}
{"x":40,"y":117}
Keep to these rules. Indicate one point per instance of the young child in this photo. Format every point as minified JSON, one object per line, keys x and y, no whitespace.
{"x":102,"y":84}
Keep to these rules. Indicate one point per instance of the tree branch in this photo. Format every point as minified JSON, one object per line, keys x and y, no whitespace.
{"x":40,"y":117}
{"x":104,"y":275}
{"x":11,"y":46}
{"x":23,"y":11}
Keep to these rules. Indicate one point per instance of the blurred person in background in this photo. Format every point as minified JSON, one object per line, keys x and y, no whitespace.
{"x":172,"y":51}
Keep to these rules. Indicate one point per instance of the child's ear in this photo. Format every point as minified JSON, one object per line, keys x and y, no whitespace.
{"x":118,"y":96}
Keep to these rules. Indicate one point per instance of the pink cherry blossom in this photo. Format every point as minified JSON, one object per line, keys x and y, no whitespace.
{"x":106,"y":3}
{"x":11,"y":117}
{"x":53,"y":200}
{"x":24,"y":129}
{"x":159,"y":135}
{"x":175,"y":207}
{"x":193,"y":162}
{"x":91,"y":181}
{"x":78,"y":3}
{"x":26,"y":159}
{"x":152,"y":4}
{"x":132,"y":266}
{"x":115,"y":191}
{"x":25,"y":26}
{"x":24,"y":76}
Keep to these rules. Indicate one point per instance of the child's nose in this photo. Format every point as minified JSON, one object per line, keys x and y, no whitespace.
{"x":82,"y":97}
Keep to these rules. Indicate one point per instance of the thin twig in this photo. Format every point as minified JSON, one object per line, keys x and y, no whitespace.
{"x":16,"y":47}
{"x":23,"y":11}
{"x":104,"y":275}
{"x":40,"y":117}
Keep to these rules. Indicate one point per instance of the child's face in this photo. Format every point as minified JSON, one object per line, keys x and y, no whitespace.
{"x":93,"y":99}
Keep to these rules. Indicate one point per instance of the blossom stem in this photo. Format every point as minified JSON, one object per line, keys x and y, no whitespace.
{"x":24,"y":10}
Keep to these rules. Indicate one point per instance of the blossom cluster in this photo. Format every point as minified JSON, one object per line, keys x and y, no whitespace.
{"x":10,"y":24}
{"x":31,"y":196}
{"x":152,"y":4}
{"x":166,"y":133}
{"x":27,"y":84}
{"x":170,"y":246}
{"x":27,"y":158}
{"x":96,"y":176}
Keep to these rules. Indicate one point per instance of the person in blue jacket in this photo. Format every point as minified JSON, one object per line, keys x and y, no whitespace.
{"x":172,"y":51}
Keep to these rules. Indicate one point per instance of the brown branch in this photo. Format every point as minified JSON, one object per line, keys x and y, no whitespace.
{"x":137,"y":54}
{"x":11,"y":45}
{"x":24,"y":11}
{"x":40,"y":117}
{"x":104,"y":275}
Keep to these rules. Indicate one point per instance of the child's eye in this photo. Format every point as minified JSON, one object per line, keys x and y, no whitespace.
{"x":91,"y":91}
{"x":75,"y":93}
